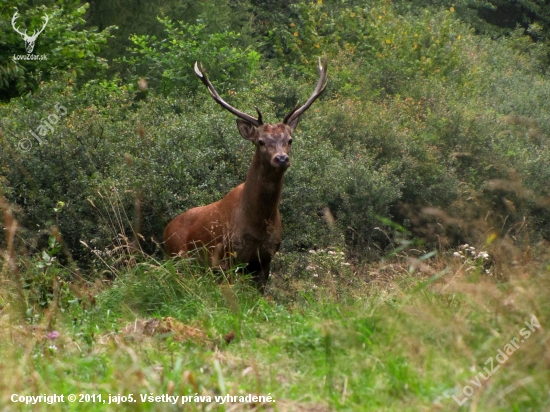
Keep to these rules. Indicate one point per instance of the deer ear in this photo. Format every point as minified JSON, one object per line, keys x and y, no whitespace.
{"x":247,"y":130}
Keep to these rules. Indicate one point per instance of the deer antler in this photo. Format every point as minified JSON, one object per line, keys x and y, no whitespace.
{"x":202,"y":75}
{"x":34,"y":33}
{"x":319,"y":89}
{"x":15,"y":16}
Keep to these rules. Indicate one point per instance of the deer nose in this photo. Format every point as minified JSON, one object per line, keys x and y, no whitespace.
{"x":282,"y":159}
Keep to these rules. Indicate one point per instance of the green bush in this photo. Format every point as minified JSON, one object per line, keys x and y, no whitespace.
{"x":69,"y":48}
{"x":440,"y":124}
{"x":166,"y":63}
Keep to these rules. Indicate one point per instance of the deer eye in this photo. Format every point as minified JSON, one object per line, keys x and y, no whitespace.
{"x":290,"y":141}
{"x":261,"y":142}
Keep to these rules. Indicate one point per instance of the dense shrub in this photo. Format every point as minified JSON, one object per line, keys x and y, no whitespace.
{"x":166,"y":62}
{"x":419,"y":111}
{"x":68,"y":47}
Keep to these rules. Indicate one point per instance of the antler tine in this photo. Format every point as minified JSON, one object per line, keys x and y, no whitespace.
{"x":259,"y":115}
{"x":45,"y":17}
{"x":319,"y":89}
{"x":201,"y":74}
{"x":15,"y":16}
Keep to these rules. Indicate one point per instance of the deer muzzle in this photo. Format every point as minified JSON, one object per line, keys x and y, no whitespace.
{"x":281,"y":160}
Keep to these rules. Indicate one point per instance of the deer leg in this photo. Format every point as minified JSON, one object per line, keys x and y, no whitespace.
{"x":260,"y":273}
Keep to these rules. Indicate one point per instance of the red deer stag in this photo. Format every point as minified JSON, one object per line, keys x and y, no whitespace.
{"x":245,"y":226}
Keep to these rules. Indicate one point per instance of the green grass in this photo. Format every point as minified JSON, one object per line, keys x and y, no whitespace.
{"x":385,"y":340}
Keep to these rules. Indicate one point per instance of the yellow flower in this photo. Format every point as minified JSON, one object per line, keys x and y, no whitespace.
{"x":379,"y":17}
{"x":415,"y":46}
{"x":459,"y":37}
{"x":319,"y":2}
{"x":452,"y":9}
{"x":352,"y":14}
{"x":295,"y":34}
{"x":317,"y":45}
{"x":491,"y":238}
{"x":292,"y":25}
{"x":388,"y":41}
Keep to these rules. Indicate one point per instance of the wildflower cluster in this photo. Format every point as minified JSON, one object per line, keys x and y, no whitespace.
{"x":327,"y":261}
{"x":471,"y":258}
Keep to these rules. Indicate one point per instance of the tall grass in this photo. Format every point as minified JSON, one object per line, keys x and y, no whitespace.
{"x":408,"y":333}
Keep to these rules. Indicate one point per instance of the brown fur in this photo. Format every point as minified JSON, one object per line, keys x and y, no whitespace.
{"x":244,"y":226}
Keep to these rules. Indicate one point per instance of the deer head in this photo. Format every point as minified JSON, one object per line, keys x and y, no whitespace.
{"x":29,"y":40}
{"x":272,"y":141}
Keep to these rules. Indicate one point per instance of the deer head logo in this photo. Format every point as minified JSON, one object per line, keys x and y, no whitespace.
{"x":29,"y":40}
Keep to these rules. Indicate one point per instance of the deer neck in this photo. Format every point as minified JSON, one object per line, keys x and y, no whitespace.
{"x":262,"y":192}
